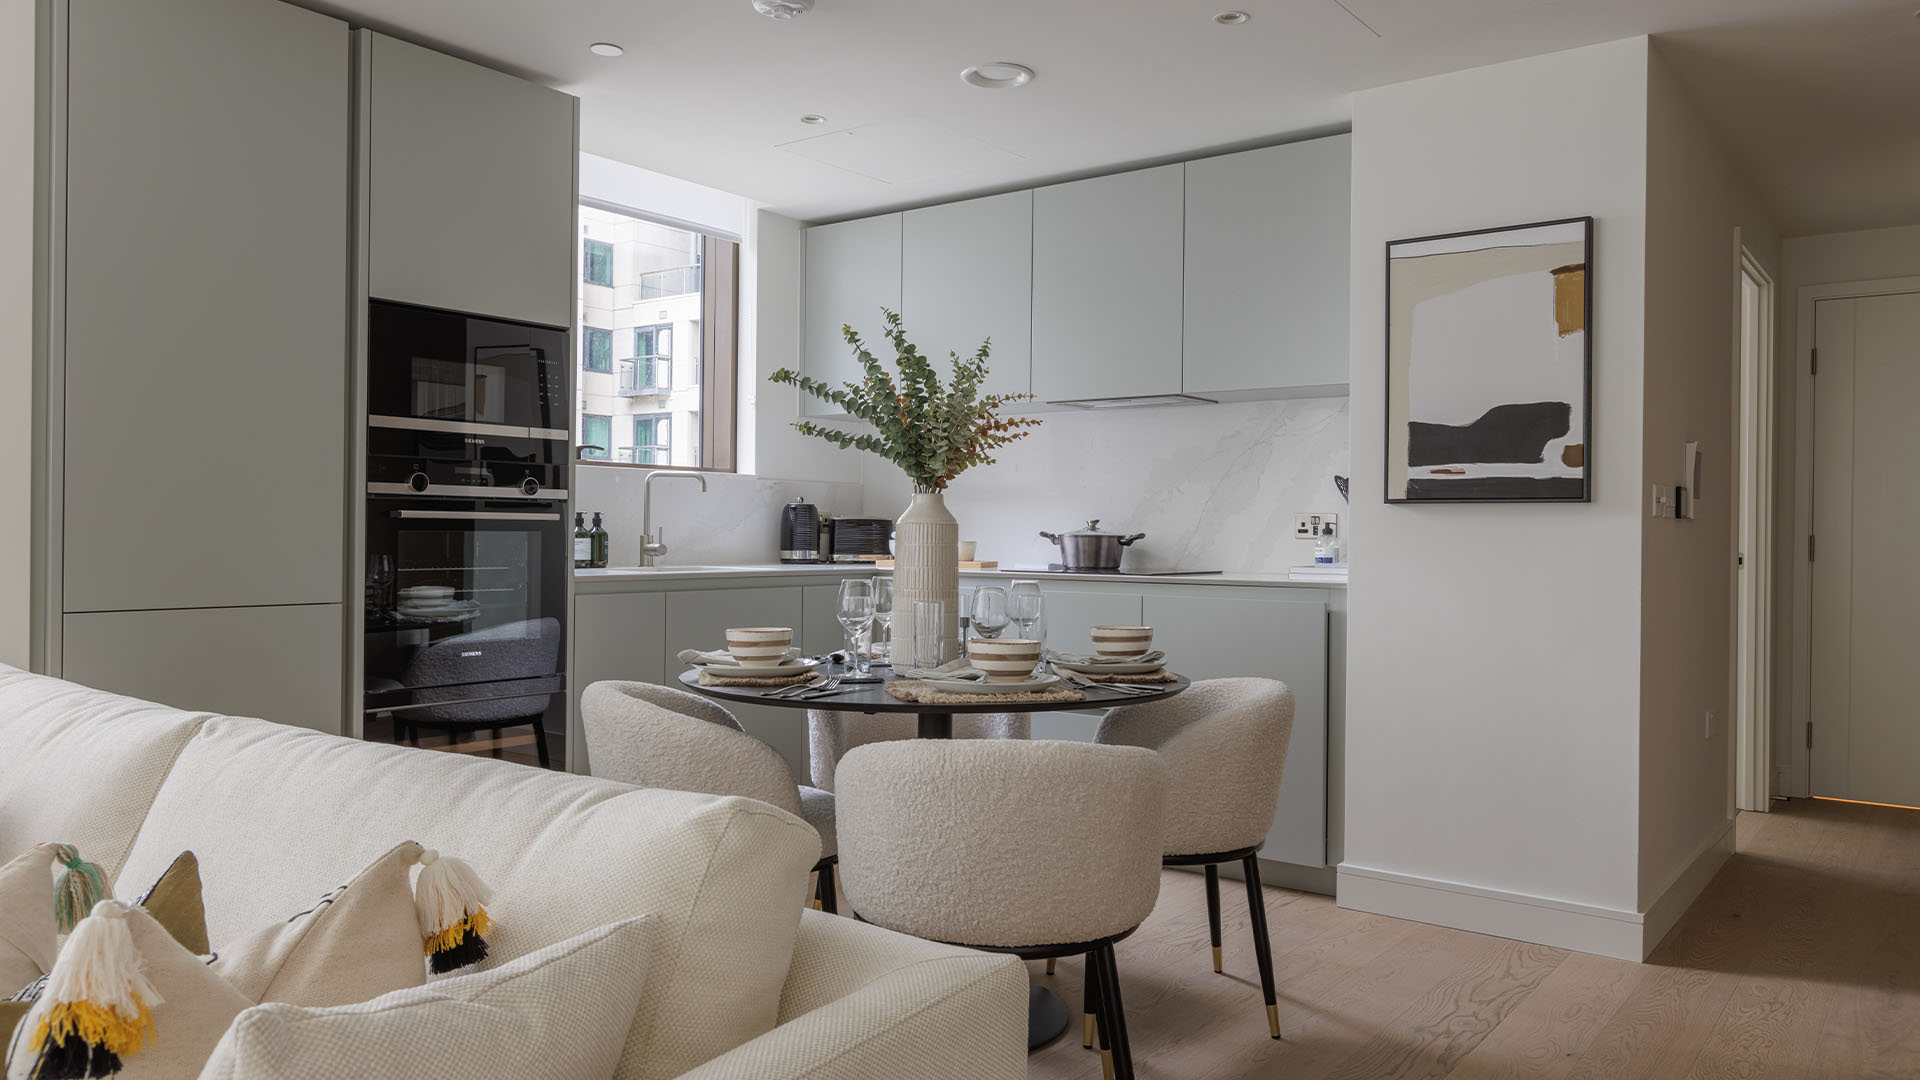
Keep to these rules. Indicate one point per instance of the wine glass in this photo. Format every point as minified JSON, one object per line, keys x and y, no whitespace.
{"x":1024,"y":606}
{"x":856,"y":615}
{"x":883,"y":617}
{"x":381,"y":578}
{"x":989,"y":611}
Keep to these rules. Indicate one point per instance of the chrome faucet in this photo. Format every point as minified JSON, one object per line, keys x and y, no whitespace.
{"x":651,"y":546}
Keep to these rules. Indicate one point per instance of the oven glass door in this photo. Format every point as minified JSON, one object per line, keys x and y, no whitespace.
{"x":465,"y":594}
{"x":441,"y":371}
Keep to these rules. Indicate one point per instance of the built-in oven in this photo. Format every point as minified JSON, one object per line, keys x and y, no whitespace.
{"x":468,"y":534}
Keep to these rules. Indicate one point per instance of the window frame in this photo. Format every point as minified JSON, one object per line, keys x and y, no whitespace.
{"x":589,"y":335}
{"x":580,"y":447}
{"x":588,"y":249}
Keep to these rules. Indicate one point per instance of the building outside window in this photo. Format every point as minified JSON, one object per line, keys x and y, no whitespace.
{"x":596,"y":349}
{"x":657,"y":305}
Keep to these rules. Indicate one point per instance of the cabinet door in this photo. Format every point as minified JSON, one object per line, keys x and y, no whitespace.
{"x":1266,"y":269}
{"x":473,"y":193}
{"x":1106,"y":286}
{"x":278,"y":663}
{"x":206,"y":331}
{"x":1276,"y":639}
{"x":820,"y":630}
{"x":1069,"y":617}
{"x":616,"y":636}
{"x":853,"y":271}
{"x":699,"y":620}
{"x":967,"y":275}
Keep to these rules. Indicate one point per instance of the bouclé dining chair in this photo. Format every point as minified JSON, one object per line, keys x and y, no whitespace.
{"x":1225,"y":745}
{"x":831,"y":734}
{"x":655,"y":736}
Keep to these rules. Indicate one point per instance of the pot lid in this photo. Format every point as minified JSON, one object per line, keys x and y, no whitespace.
{"x":1093,"y":529}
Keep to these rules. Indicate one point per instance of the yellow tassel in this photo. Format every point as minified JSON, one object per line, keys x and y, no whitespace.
{"x":450,"y":901}
{"x":96,"y":1025}
{"x":477,"y":924}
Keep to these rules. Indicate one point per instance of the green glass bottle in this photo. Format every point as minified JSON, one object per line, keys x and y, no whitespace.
{"x":582,"y":542}
{"x":598,"y":541}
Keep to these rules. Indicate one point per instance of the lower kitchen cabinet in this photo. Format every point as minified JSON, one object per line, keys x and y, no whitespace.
{"x":615,"y":636}
{"x":279,"y":663}
{"x":1068,"y":617}
{"x":699,"y":620}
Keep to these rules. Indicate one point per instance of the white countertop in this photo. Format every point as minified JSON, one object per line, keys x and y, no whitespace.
{"x":687,"y":573}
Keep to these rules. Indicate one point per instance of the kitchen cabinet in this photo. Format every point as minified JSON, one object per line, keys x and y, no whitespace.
{"x":853,"y":271}
{"x":615,"y":636}
{"x":279,"y":663}
{"x":967,"y":275}
{"x":699,"y":620}
{"x":1266,"y":271}
{"x":203,"y":354}
{"x":819,"y":631}
{"x":1216,"y":638}
{"x":471,"y":186}
{"x":1107,"y":274}
{"x":1068,"y":617}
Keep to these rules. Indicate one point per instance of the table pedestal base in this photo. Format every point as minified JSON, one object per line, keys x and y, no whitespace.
{"x":1046,"y":1017}
{"x":936,"y":725}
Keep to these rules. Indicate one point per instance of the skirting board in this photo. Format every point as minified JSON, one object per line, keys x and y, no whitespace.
{"x":1623,"y":935}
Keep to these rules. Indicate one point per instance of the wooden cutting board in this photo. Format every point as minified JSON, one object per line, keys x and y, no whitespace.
{"x":989,"y":564}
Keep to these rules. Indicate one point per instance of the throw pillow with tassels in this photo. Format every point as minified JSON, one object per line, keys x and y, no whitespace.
{"x":38,"y":916}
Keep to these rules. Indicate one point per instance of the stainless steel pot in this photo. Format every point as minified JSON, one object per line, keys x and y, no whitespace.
{"x":1091,"y":548}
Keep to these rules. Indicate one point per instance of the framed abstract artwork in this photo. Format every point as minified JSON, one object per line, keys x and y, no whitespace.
{"x":1490,"y":365}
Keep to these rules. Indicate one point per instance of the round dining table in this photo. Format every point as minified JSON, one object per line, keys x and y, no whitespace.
{"x":1047,"y":1016}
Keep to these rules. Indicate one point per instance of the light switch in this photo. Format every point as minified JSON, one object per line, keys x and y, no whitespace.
{"x":1665,"y":501}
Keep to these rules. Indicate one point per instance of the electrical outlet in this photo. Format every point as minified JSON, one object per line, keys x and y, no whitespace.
{"x":1305,"y":526}
{"x":1713,"y":723}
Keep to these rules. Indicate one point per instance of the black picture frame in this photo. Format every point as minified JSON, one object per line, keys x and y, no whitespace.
{"x":1585,"y":408}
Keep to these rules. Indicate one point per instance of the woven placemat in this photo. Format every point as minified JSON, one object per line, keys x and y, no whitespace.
{"x":921,"y":693}
{"x":1161,"y":676}
{"x":708,"y":678}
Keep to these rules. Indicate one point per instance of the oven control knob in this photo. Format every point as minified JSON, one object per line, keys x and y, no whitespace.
{"x":529,"y":486}
{"x":419,"y":481}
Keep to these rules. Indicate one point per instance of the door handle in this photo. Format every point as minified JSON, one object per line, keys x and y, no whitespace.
{"x":470,"y":515}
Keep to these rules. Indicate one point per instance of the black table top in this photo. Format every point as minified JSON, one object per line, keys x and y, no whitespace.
{"x":873,"y":698}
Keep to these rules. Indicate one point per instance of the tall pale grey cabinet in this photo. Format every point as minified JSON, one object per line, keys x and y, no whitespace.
{"x":966,"y":274}
{"x":471,"y":186}
{"x":200,"y":327}
{"x":853,"y":271}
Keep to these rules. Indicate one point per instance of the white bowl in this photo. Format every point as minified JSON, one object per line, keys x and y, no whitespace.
{"x":759,"y":644}
{"x":1120,"y":642}
{"x":1004,"y":659}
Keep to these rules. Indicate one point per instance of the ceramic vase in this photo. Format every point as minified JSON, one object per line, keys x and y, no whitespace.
{"x":926,"y":567}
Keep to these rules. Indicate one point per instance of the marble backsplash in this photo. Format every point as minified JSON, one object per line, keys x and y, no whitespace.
{"x":736,"y":520}
{"x":1214,"y":487}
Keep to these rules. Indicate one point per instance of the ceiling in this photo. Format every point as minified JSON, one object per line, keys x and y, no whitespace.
{"x":1823,"y":112}
{"x":712,"y":92}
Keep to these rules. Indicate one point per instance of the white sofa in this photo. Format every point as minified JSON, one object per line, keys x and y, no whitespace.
{"x":750,"y":983}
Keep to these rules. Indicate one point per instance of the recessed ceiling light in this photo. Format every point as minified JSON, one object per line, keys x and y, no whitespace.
{"x":605,"y":48}
{"x":1231,"y":18}
{"x":999,"y":75}
{"x":813,"y":118}
{"x":783,"y":9}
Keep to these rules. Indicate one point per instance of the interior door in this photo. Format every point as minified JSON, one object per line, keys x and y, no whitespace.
{"x":1865,"y":740}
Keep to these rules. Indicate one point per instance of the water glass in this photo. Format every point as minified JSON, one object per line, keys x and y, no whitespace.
{"x":1025,"y":605}
{"x":856,"y":615}
{"x":989,"y":619}
{"x":929,"y":633}
{"x":882,"y":620}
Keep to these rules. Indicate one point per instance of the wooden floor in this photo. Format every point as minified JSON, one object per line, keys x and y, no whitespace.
{"x":1802,"y":959}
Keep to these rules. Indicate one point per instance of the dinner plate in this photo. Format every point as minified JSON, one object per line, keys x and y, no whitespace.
{"x":977,"y":686}
{"x":795,"y":666}
{"x":1110,"y":669}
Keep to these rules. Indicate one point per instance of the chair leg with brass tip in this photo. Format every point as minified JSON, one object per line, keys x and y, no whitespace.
{"x":1050,"y":962}
{"x":1213,"y":912}
{"x":1263,"y":951}
{"x":1090,"y":1002}
{"x":1113,"y":1013}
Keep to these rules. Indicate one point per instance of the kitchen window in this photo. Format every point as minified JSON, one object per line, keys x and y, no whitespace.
{"x":671,"y":301}
{"x":596,"y":348}
{"x":596,"y":265}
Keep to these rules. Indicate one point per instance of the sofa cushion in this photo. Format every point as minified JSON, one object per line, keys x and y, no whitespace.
{"x":279,"y":815}
{"x":82,"y":765}
{"x":560,"y":1012}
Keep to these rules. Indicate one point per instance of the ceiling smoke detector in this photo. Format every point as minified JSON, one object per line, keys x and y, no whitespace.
{"x":783,"y":9}
{"x":999,"y":75}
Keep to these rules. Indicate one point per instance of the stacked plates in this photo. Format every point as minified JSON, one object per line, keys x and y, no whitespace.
{"x":793,"y":665}
{"x":434,"y":603}
{"x":981,"y":686}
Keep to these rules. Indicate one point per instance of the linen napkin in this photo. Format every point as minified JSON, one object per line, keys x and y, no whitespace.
{"x":722,"y":656}
{"x":1154,"y":657}
{"x":961,"y":669}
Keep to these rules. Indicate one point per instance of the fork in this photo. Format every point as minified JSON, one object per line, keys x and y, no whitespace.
{"x":822,"y":690}
{"x":1123,"y":689}
{"x":799,"y":688}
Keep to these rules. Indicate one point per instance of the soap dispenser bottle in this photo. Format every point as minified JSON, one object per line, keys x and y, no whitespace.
{"x":598,"y":537}
{"x":1326,"y":550}
{"x":582,"y":542}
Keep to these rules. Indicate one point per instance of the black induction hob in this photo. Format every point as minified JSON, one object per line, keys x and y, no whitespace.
{"x":1056,"y":568}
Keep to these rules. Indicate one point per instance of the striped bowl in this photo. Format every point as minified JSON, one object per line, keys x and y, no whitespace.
{"x":1004,"y":660}
{"x":1120,"y":642}
{"x":759,"y":644}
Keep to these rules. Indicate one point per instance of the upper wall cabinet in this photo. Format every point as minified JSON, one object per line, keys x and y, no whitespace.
{"x":853,"y":271}
{"x":472,"y":186}
{"x":966,"y":276}
{"x":205,"y":407}
{"x":1107,"y":286}
{"x":1266,"y":271}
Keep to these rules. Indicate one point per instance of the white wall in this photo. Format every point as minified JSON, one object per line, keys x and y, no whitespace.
{"x":1698,"y":209}
{"x":1494,"y":650}
{"x":17,"y":45}
{"x":1214,"y":487}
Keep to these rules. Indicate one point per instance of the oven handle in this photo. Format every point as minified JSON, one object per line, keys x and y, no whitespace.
{"x":471,"y":515}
